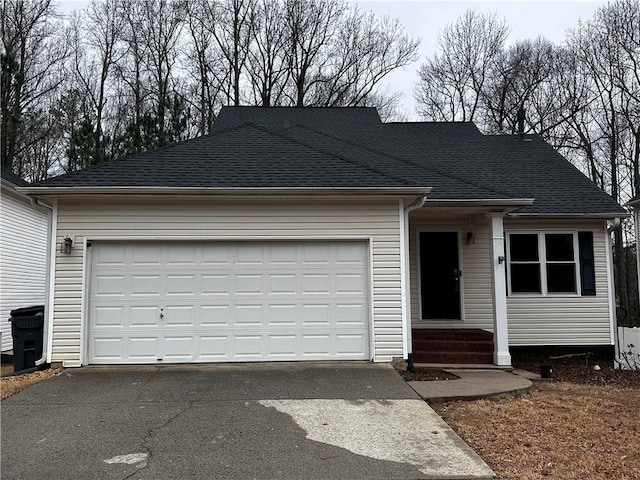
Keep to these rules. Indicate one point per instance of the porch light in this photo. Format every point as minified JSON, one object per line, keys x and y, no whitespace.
{"x":65,"y":245}
{"x":471,"y":238}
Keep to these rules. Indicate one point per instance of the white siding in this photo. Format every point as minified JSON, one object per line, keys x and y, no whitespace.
{"x":563,"y":320}
{"x":474,"y":263}
{"x":533,"y":320}
{"x":203,"y":219}
{"x":23,"y":259}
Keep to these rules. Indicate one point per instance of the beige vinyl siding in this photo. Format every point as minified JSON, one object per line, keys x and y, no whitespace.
{"x":198,"y":219}
{"x":562,"y":320}
{"x":474,"y":262}
{"x":23,"y":259}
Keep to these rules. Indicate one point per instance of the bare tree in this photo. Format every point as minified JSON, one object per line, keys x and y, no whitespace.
{"x":451,"y":85}
{"x":204,"y":62}
{"x":152,"y":30}
{"x":32,"y":70}
{"x":267,"y":55}
{"x":310,"y":25}
{"x":234,"y":22}
{"x":609,"y":48}
{"x":365,"y":50}
{"x":96,"y":39}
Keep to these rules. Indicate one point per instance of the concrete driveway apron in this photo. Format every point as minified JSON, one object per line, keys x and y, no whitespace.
{"x":232,"y":421}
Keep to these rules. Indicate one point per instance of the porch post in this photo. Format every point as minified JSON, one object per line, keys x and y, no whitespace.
{"x":501,"y":355}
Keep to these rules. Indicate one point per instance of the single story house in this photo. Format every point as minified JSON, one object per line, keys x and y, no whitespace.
{"x":23,"y":253}
{"x":326,"y":234}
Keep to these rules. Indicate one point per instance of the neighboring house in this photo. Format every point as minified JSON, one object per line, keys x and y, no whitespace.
{"x":325,"y":234}
{"x":23,"y":253}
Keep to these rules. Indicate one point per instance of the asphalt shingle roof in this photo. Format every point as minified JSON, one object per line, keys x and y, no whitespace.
{"x":351,"y":147}
{"x":11,"y":177}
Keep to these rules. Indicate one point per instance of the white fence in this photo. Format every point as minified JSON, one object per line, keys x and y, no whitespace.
{"x":628,"y":348}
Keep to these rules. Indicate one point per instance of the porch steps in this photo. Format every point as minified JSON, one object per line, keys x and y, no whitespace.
{"x":452,"y":346}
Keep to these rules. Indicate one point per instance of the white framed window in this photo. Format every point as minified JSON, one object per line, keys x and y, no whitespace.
{"x":543,"y":263}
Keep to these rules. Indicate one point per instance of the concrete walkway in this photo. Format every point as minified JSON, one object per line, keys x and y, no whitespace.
{"x":474,"y":384}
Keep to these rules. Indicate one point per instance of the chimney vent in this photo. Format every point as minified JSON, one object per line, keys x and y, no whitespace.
{"x":521,"y":118}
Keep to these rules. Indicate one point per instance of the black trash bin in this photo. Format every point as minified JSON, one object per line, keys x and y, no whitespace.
{"x":27,"y":330}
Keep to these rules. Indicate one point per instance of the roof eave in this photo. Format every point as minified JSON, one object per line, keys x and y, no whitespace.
{"x":225,"y":191}
{"x":605,"y":216}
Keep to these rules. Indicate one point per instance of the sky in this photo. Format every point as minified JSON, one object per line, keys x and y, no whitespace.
{"x":426,"y":18}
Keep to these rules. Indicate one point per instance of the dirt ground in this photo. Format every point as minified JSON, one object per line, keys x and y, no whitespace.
{"x":557,"y":431}
{"x":584,"y":424}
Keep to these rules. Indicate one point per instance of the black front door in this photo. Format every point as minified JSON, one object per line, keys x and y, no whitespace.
{"x":440,"y":276}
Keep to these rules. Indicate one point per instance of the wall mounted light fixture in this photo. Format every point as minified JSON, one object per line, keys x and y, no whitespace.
{"x":471,"y":239}
{"x":65,"y":245}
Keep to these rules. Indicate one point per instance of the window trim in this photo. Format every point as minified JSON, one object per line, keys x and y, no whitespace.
{"x":542,"y":262}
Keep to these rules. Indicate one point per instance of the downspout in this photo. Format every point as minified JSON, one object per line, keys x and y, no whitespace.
{"x":406,"y":297}
{"x":51,"y":209}
{"x":612,"y":289}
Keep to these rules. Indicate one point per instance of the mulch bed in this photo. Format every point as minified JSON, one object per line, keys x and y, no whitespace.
{"x":14,"y":384}
{"x":422,"y":374}
{"x":585,"y":371}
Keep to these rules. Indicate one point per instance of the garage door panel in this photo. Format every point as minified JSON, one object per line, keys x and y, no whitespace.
{"x":213,"y":348}
{"x":282,"y":284}
{"x":350,"y":284}
{"x":145,"y":285}
{"x":150,"y":256}
{"x":248,"y":284}
{"x":141,"y":348}
{"x":283,"y":314}
{"x":143,"y":316}
{"x":109,"y":285}
{"x":180,"y":285}
{"x":180,"y":255}
{"x":228,"y":301}
{"x":214,"y":316}
{"x":181,"y":316}
{"x":349,"y":344}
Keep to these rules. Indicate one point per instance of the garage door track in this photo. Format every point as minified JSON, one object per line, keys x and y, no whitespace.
{"x":351,"y":420}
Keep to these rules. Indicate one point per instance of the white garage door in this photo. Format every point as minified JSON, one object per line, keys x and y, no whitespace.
{"x":178,"y":302}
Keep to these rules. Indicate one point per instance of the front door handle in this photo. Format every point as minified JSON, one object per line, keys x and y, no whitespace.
{"x":456,"y":275}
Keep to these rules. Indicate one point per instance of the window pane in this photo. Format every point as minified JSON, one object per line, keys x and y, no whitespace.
{"x":561,"y":278}
{"x":525,"y":278}
{"x":524,"y":247}
{"x":559,"y":247}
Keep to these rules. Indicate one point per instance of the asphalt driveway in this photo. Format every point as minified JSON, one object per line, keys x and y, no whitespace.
{"x":234,"y":421}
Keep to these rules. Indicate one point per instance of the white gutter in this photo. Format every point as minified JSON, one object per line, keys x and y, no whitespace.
{"x":580,"y":216}
{"x":47,"y":341}
{"x":483,"y":202}
{"x":285,"y":191}
{"x":613,"y":321}
{"x":407,"y":337}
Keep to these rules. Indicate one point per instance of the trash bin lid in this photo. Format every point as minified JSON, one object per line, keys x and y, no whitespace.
{"x":32,"y":322}
{"x":28,"y":311}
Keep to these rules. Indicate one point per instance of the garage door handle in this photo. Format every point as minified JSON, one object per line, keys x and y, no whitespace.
{"x":162,"y":313}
